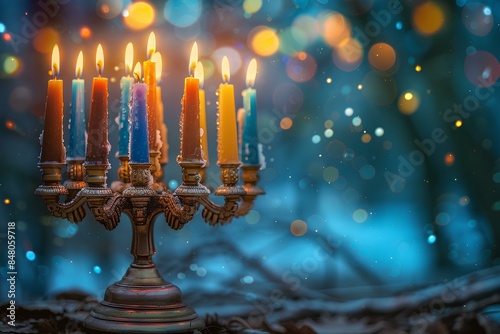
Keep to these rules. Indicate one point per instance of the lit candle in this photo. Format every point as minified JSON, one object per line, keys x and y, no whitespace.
{"x":199,"y":73}
{"x":150,"y":81}
{"x":161,"y":126}
{"x":52,"y":137}
{"x":249,"y":142}
{"x":125,"y":102}
{"x":227,"y":147}
{"x":97,"y":141}
{"x":139,"y":146}
{"x":76,"y":149}
{"x":190,"y":117}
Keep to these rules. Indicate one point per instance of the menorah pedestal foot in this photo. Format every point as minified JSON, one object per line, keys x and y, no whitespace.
{"x":143,"y":302}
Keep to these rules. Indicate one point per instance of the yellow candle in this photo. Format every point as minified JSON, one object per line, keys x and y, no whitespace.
{"x":203,"y":114}
{"x":160,"y":123}
{"x":150,"y":81}
{"x":227,"y":147}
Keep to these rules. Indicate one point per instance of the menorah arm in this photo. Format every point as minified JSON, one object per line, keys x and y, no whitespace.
{"x":107,"y":213}
{"x":223,"y":214}
{"x":178,"y":210}
{"x":73,"y":210}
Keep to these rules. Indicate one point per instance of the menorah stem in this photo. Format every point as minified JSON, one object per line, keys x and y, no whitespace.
{"x":143,"y":247}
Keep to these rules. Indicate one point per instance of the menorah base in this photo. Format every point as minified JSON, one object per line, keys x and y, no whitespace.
{"x":143,"y":302}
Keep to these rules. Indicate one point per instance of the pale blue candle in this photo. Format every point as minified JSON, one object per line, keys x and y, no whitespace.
{"x":76,"y":149}
{"x":139,"y":146}
{"x":124,"y":139}
{"x":249,"y":142}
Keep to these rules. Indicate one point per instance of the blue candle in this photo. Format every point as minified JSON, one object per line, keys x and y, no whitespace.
{"x":139,"y":146}
{"x":249,"y":141}
{"x":126,"y":88}
{"x":76,"y":149}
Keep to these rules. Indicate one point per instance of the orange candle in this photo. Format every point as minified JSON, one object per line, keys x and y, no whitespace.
{"x":190,"y":117}
{"x":52,"y":139}
{"x":199,"y":73}
{"x":150,"y":81}
{"x":227,"y":143}
{"x":97,"y":141}
{"x":160,"y":123}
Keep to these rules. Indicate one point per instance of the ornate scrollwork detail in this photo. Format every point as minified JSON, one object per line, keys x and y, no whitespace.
{"x":74,"y":210}
{"x":140,"y":177}
{"x":177,"y":213}
{"x":109,"y":214}
{"x":213,"y":213}
{"x":229,"y":175}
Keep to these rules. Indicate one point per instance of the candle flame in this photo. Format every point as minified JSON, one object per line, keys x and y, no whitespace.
{"x":79,"y":65}
{"x":129,"y":58}
{"x":137,"y":72}
{"x":55,"y":61}
{"x":151,"y":44}
{"x":99,"y":60}
{"x":156,"y":58}
{"x":251,"y":72}
{"x":193,"y":59}
{"x":226,"y":74}
{"x":200,"y":74}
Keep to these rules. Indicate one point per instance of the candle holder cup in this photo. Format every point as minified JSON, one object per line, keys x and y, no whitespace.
{"x":142,"y":301}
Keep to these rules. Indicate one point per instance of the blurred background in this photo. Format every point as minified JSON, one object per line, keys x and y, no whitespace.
{"x":378,"y":123}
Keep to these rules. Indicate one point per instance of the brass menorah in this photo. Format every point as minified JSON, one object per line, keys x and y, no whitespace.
{"x":142,"y":301}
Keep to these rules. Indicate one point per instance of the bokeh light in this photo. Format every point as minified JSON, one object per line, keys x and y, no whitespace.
{"x":308,"y":25}
{"x":477,"y":18}
{"x":301,"y":67}
{"x":428,"y":18}
{"x":263,"y":41}
{"x":2,"y":28}
{"x":298,"y":227}
{"x":449,"y":159}
{"x":286,"y":123}
{"x":182,"y":13}
{"x":108,"y":9}
{"x":252,"y":6}
{"x":408,"y":102}
{"x":379,"y":132}
{"x":335,"y":28}
{"x":481,"y":68}
{"x":10,"y":65}
{"x":366,"y":138}
{"x":44,"y":41}
{"x":252,"y":217}
{"x":30,"y":255}
{"x":349,"y":111}
{"x":292,"y":40}
{"x":85,"y":32}
{"x":348,"y":56}
{"x":232,"y":55}
{"x":140,"y":15}
{"x":6,"y":201}
{"x":97,"y":269}
{"x":382,"y":56}
{"x":360,"y":215}
{"x":330,"y":174}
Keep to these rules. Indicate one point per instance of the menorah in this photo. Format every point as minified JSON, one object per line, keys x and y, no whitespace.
{"x":142,"y":301}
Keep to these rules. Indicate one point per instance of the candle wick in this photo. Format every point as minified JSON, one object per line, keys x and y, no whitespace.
{"x":136,"y":77}
{"x":54,"y":71}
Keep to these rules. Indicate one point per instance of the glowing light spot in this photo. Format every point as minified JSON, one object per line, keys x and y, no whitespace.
{"x":252,"y":6}
{"x":431,"y":239}
{"x":85,"y":32}
{"x":286,"y":123}
{"x":301,"y":67}
{"x":328,"y":124}
{"x":348,"y":56}
{"x":252,"y":217}
{"x":201,"y":271}
{"x":328,"y":80}
{"x":428,"y":18}
{"x":263,"y":41}
{"x":181,"y":276}
{"x":335,"y":29}
{"x":232,"y":55}
{"x":330,"y":174}
{"x":30,"y":255}
{"x":141,"y":15}
{"x":349,"y":112}
{"x":356,"y":121}
{"x":379,"y":132}
{"x":2,"y":28}
{"x":10,"y":65}
{"x":449,"y":159}
{"x":418,"y":68}
{"x":316,"y":139}
{"x":360,"y":215}
{"x":399,"y":25}
{"x":45,"y":39}
{"x":477,"y":18}
{"x":182,"y":13}
{"x":173,"y":184}
{"x":408,"y":103}
{"x":382,"y":56}
{"x":482,"y":68}
{"x":366,"y":138}
{"x":7,"y":37}
{"x":328,"y":133}
{"x":6,"y":201}
{"x":458,"y":123}
{"x":464,"y":200}
{"x":360,"y":87}
{"x":97,"y":270}
{"x":298,"y":227}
